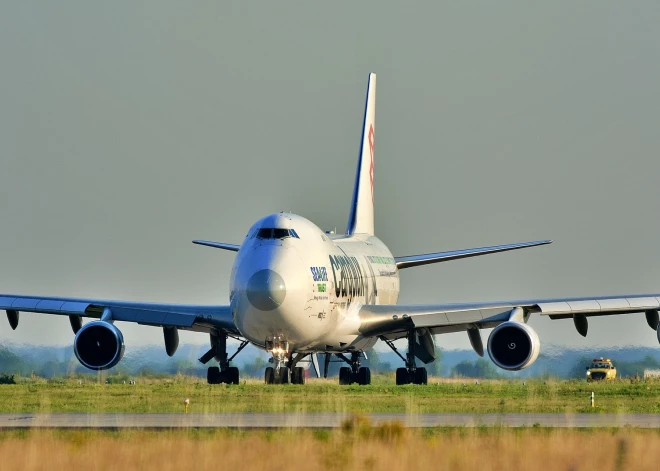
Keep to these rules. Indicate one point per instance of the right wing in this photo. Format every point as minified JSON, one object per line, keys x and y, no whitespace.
{"x":424,"y":259}
{"x":191,"y":317}
{"x":218,"y":245}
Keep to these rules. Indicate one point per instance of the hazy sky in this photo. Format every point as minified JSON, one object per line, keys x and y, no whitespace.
{"x":128,"y":129}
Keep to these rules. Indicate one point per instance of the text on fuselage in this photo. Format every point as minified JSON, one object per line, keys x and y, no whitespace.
{"x":319,"y":273}
{"x":347,"y":276}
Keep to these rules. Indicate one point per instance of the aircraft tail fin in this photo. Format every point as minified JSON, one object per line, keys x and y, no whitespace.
{"x":361,"y":219}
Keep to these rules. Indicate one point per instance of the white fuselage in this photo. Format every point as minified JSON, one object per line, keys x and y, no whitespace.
{"x":302,"y":286}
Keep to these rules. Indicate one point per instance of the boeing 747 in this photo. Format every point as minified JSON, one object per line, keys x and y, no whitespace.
{"x":297,"y":291}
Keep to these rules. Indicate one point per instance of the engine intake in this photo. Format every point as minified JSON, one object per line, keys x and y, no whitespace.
{"x":99,"y":345}
{"x":513,"y":346}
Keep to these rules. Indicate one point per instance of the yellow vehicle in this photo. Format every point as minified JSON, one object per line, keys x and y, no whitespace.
{"x":601,"y":369}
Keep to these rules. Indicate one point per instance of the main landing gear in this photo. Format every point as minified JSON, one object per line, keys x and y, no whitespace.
{"x":411,"y":374}
{"x":355,"y":373}
{"x":224,"y":373}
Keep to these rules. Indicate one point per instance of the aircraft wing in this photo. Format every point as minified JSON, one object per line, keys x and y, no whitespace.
{"x":424,"y":259}
{"x":394,"y":321}
{"x":190,"y":317}
{"x":218,"y":245}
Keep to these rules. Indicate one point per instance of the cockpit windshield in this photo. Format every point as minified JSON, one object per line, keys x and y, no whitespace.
{"x":275,"y":233}
{"x":280,"y":233}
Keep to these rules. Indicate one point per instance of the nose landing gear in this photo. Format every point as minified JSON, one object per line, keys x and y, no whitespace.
{"x":285,"y":370}
{"x":277,"y":375}
{"x":284,"y":375}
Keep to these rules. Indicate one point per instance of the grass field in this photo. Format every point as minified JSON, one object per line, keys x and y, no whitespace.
{"x":357,"y":445}
{"x":360,"y":447}
{"x":167,"y":395}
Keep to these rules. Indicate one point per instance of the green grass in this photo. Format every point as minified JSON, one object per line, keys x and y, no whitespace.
{"x":167,"y":395}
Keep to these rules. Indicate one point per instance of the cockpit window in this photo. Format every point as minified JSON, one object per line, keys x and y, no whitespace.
{"x":265,"y":234}
{"x":275,"y":233}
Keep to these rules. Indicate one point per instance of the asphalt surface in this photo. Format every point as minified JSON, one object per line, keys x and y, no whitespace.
{"x":319,"y":420}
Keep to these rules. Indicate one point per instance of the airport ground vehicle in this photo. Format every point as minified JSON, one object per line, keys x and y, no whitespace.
{"x":601,"y":369}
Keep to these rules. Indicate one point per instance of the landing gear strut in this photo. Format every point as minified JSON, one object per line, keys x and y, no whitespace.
{"x":224,"y":373}
{"x":355,"y":373}
{"x":411,"y":374}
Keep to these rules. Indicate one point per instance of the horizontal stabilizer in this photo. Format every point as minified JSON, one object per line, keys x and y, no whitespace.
{"x":218,"y":245}
{"x":425,"y":259}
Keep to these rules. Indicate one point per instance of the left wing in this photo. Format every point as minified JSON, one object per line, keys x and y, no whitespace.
{"x":424,"y":259}
{"x":390,"y":320}
{"x":191,"y":317}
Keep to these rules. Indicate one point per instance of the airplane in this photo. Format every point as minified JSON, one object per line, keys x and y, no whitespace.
{"x":297,"y":291}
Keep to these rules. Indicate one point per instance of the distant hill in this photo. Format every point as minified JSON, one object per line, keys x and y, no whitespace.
{"x":560,"y":362}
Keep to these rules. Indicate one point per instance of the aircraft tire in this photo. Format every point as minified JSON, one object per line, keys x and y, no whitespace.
{"x":298,"y":375}
{"x":402,"y":376}
{"x":284,"y":375}
{"x":294,"y":376}
{"x":269,"y":375}
{"x":213,"y":375}
{"x":421,"y":376}
{"x":232,"y":375}
{"x":364,"y":376}
{"x":344,"y":376}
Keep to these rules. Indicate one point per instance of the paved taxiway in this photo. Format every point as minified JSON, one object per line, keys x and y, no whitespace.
{"x":319,"y":420}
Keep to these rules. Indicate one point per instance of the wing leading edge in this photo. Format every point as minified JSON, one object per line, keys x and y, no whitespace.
{"x":394,"y":321}
{"x":194,"y":317}
{"x":424,"y":259}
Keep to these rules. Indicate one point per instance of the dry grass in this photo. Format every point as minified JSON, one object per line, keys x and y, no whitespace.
{"x":358,"y":446}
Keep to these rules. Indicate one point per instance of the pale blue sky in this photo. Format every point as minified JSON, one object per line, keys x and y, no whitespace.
{"x":128,"y":129}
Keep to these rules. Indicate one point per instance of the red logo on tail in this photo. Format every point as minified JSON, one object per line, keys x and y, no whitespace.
{"x":371,"y":168}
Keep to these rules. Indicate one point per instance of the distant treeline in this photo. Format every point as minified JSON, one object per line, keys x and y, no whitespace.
{"x":151,"y":360}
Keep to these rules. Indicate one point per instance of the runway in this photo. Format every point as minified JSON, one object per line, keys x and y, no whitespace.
{"x":319,"y":420}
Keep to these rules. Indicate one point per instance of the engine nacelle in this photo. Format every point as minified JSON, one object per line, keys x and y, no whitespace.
{"x":513,"y":346}
{"x":99,"y":345}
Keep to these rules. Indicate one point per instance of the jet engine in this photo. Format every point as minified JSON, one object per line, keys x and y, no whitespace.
{"x":99,"y":345}
{"x":513,"y":346}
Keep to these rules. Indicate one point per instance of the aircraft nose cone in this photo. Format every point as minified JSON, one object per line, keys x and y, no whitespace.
{"x":266,"y":290}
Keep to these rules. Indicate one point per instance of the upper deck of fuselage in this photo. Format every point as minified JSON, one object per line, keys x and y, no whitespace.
{"x":288,"y":229}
